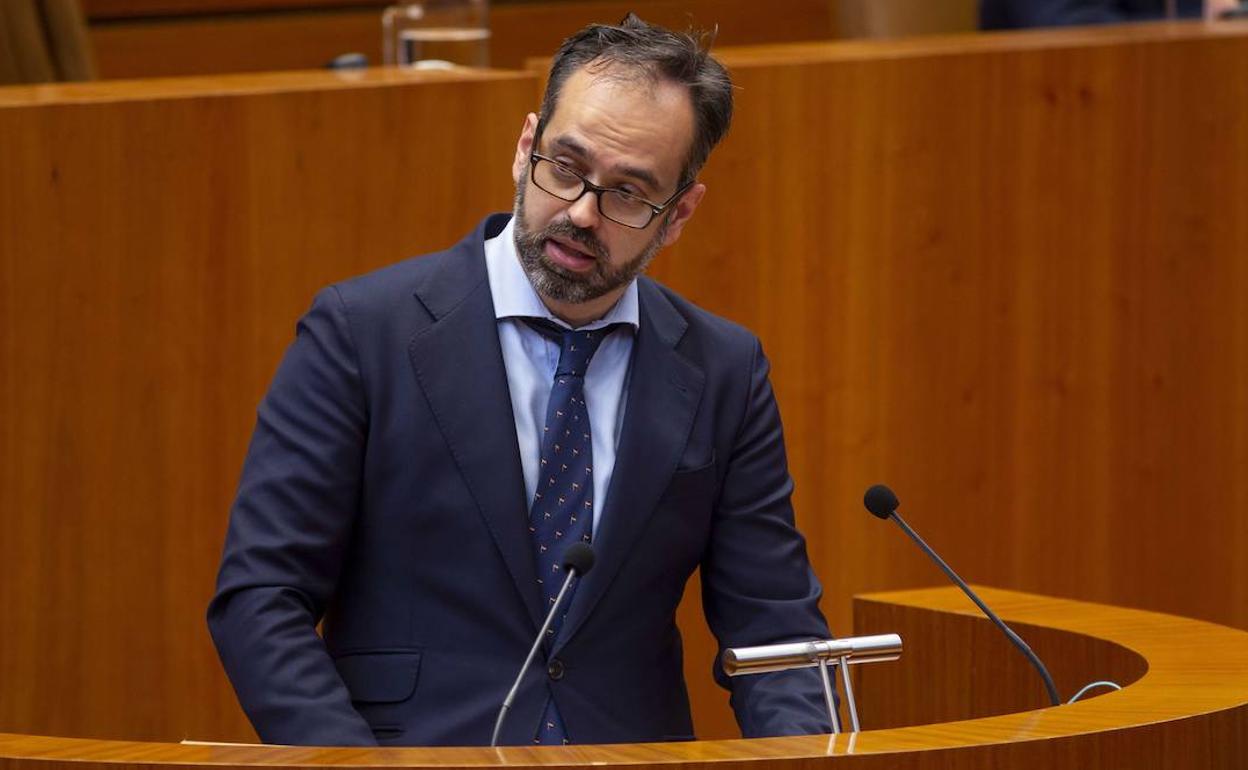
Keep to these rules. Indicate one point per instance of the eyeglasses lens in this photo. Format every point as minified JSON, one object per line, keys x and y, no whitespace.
{"x":567,"y":185}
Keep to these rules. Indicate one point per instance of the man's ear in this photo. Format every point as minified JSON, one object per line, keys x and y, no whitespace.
{"x":682,"y":211}
{"x":524,"y":148}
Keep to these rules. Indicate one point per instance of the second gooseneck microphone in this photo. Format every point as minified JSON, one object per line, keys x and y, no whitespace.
{"x":882,"y":503}
{"x":578,"y":559}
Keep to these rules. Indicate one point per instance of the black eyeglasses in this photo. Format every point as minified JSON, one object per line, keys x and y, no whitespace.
{"x":619,"y":206}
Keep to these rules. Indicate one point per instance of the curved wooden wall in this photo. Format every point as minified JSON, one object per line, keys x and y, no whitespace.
{"x":1003,"y":274}
{"x":1184,"y":707}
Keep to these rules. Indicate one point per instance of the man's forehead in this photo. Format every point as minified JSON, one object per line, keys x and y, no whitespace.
{"x":639,"y":170}
{"x":626,"y":80}
{"x":604,"y":111}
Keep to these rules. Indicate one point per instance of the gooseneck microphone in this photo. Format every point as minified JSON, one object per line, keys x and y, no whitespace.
{"x":578,"y":560}
{"x":882,"y":503}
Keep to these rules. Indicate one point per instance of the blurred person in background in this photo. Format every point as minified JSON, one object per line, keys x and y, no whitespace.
{"x":1017,"y":14}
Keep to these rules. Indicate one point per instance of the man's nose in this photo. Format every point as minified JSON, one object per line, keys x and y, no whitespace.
{"x":584,"y":211}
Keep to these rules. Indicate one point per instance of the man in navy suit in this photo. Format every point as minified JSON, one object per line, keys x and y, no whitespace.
{"x":394,"y":484}
{"x":1012,"y":14}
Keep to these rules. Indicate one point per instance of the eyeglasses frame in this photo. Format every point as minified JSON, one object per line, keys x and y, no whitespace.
{"x":588,"y":186}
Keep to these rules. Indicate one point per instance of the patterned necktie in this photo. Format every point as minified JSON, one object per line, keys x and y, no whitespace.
{"x":563,"y":505}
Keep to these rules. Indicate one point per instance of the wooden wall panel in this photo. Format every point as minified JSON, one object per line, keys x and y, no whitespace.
{"x":897,"y":18}
{"x":156,"y":254}
{"x":119,"y":9}
{"x":300,"y":39}
{"x":1001,"y":273}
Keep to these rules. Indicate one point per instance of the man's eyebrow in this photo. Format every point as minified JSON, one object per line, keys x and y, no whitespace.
{"x":569,"y":144}
{"x":572,"y":146}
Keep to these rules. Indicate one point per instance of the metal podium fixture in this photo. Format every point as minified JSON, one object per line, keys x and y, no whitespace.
{"x":843,"y":653}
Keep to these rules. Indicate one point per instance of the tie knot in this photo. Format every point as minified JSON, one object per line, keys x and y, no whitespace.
{"x":576,"y":348}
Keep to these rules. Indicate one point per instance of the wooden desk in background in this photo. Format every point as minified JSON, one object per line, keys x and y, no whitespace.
{"x":1002,"y":273}
{"x":156,"y":38}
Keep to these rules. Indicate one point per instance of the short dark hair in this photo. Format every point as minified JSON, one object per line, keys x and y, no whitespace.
{"x":659,"y":54}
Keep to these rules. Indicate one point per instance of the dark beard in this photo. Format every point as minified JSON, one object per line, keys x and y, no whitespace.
{"x":554,"y":282}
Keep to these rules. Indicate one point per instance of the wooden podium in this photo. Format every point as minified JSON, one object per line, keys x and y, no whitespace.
{"x":1184,"y":704}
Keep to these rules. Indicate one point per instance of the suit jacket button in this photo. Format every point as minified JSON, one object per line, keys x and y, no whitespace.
{"x":555,"y":669}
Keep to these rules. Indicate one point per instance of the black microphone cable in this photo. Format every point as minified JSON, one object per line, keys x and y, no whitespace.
{"x":578,"y":559}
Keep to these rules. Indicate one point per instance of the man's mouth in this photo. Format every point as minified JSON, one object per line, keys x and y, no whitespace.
{"x":567,"y":256}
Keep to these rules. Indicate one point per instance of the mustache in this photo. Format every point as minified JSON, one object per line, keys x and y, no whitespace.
{"x":579,"y":235}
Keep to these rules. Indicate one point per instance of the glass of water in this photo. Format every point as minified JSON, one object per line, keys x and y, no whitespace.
{"x":437,"y":32}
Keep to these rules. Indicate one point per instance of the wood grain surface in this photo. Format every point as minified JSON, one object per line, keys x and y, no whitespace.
{"x":303,"y":38}
{"x":1002,"y":273}
{"x":966,"y":668}
{"x":159,"y":241}
{"x":1189,"y":710}
{"x":114,"y":9}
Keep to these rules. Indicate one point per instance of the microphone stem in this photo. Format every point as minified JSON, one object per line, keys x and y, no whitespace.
{"x":1013,"y":637}
{"x":537,"y":643}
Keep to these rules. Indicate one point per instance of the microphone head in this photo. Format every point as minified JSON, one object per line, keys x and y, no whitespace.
{"x":579,"y":557}
{"x":880,"y":501}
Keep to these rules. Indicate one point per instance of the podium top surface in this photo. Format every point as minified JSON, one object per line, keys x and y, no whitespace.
{"x":1190,"y":705}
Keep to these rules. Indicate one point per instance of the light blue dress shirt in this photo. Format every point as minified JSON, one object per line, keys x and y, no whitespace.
{"x":531,"y":359}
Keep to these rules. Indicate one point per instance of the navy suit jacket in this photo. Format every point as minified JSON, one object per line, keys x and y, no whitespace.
{"x":383,"y":493}
{"x":1011,"y":14}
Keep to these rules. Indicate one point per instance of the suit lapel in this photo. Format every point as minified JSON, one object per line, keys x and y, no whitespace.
{"x":663,"y":395}
{"x":472,"y":405}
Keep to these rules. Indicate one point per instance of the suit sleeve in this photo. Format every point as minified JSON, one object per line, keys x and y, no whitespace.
{"x":758,"y":586}
{"x":288,"y":530}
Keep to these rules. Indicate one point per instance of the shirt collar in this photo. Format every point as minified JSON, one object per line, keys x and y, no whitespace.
{"x":514,"y":295}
